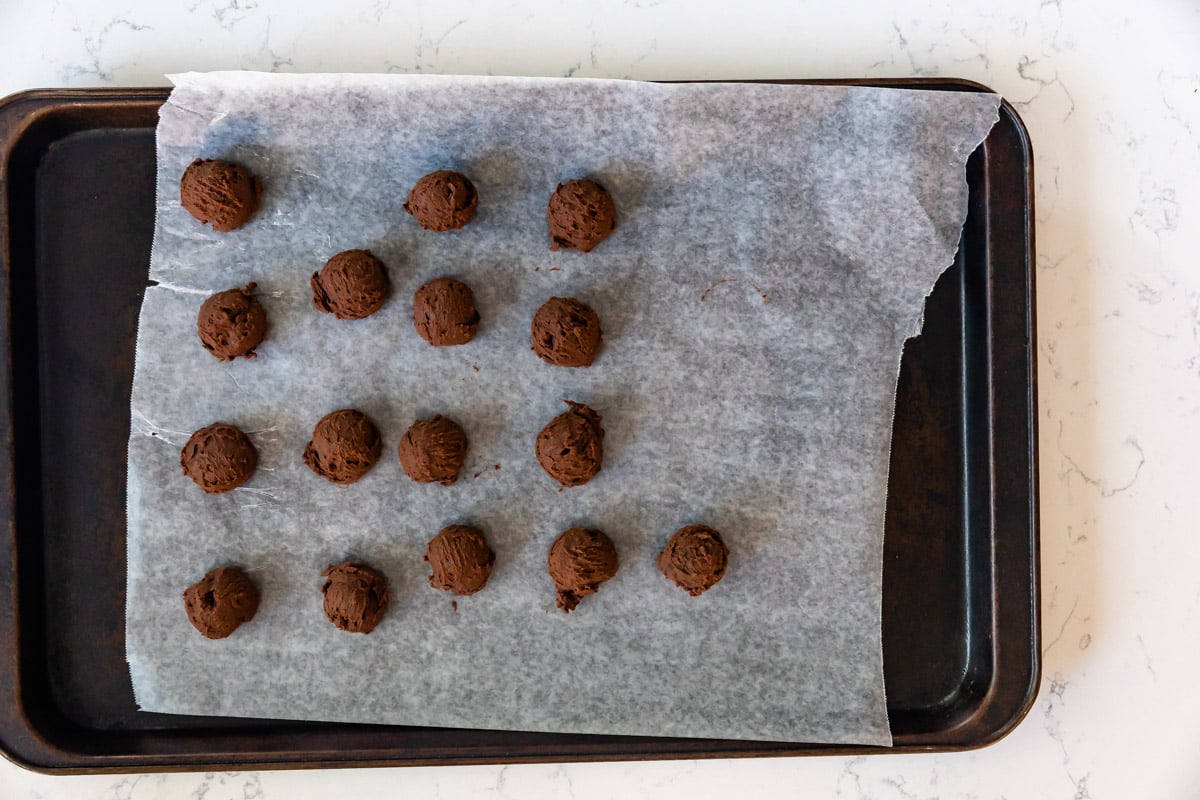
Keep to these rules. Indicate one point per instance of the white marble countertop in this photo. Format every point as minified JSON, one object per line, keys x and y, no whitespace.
{"x":1109,"y":92}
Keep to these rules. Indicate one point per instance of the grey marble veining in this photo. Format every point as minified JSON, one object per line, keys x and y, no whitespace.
{"x":1109,"y":92}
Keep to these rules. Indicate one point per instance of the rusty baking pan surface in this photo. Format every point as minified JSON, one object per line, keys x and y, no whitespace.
{"x":960,"y":582}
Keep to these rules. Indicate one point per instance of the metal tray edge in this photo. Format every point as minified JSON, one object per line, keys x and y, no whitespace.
{"x":21,"y":110}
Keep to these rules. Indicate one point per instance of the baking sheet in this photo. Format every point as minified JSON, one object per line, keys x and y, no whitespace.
{"x":774,"y":248}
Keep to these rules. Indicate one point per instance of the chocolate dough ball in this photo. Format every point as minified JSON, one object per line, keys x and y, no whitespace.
{"x":695,"y":558}
{"x":356,"y":596}
{"x":222,"y":193}
{"x":232,"y":323}
{"x":352,"y":285}
{"x":344,"y":446}
{"x":579,"y":561}
{"x":219,"y":458}
{"x":442,"y":201}
{"x":566,"y":333}
{"x":581,"y":215}
{"x":460,"y":558}
{"x":444,"y":312}
{"x":571,"y":447}
{"x":221,"y":601}
{"x":433,"y":450}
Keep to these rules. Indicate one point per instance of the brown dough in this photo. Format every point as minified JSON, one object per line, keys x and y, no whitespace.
{"x":232,"y":323}
{"x":566,"y":333}
{"x":695,"y":558}
{"x":581,"y":215}
{"x":433,"y":450}
{"x":345,"y":445}
{"x":352,"y":285}
{"x":444,"y":312}
{"x":579,"y":561}
{"x":442,"y":201}
{"x":222,"y":193}
{"x":221,"y":601}
{"x":460,"y":558}
{"x":219,"y":458}
{"x":356,"y":596}
{"x":571,"y":447}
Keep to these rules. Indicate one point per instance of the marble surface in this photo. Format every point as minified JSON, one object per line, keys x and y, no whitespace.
{"x":1110,"y":93}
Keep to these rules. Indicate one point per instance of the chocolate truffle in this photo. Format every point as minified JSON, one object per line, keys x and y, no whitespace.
{"x":571,"y":447}
{"x":433,"y":450}
{"x":442,"y":201}
{"x":460,"y":558}
{"x":344,"y":446}
{"x":579,"y":561}
{"x":581,"y":215}
{"x":220,"y":193}
{"x":221,"y":601}
{"x":352,"y":285}
{"x":356,"y":596}
{"x":695,"y":558}
{"x":444,"y":312}
{"x":232,"y":323}
{"x":219,"y":458}
{"x":565,"y":333}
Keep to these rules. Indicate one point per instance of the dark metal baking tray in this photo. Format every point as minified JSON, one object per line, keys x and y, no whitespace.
{"x":960,"y":588}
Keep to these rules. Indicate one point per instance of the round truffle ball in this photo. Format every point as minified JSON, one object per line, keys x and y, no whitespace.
{"x":221,"y":601}
{"x":221,"y":193}
{"x":433,"y":450}
{"x":581,"y":215}
{"x":566,"y":333}
{"x":219,"y":458}
{"x":442,"y":201}
{"x":232,"y":323}
{"x":444,"y":312}
{"x":579,"y":561}
{"x":356,"y":596}
{"x":345,"y":445}
{"x":695,"y":558}
{"x":460,"y":558}
{"x":352,"y":285}
{"x":571,"y":447}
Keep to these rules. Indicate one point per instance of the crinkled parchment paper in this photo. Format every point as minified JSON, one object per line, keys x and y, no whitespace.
{"x":774,"y":249}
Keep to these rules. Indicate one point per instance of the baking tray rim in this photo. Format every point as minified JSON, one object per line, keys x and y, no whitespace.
{"x":22,"y":111}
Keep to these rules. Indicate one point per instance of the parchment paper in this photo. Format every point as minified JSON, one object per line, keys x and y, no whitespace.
{"x":774,"y":249}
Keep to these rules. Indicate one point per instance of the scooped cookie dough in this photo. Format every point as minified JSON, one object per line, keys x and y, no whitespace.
{"x":219,"y":458}
{"x":220,"y":602}
{"x":356,"y":596}
{"x":579,"y":561}
{"x":221,"y":193}
{"x":695,"y":558}
{"x":444,"y":312}
{"x":581,"y":215}
{"x":352,"y":285}
{"x":571,"y":447}
{"x":566,"y":333}
{"x":345,"y":445}
{"x":443,"y":201}
{"x":433,"y":450}
{"x":460,"y":558}
{"x":232,"y":323}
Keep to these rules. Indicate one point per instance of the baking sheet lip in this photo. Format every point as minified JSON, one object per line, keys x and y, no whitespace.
{"x":100,"y":94}
{"x":1014,"y":716}
{"x":46,"y":101}
{"x":321,"y":759}
{"x":15,"y":122}
{"x":1029,"y":229}
{"x":143,"y":767}
{"x":329,"y":758}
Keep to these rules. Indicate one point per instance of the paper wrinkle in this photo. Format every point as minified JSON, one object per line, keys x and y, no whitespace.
{"x":762,"y":407}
